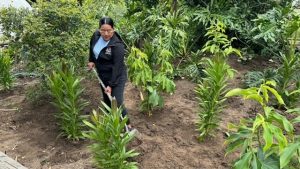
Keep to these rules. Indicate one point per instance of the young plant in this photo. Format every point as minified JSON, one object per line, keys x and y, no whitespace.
{"x":152,"y":79}
{"x":210,"y":93}
{"x":6,"y":78}
{"x":218,"y":44}
{"x":109,"y":147}
{"x":211,"y":90}
{"x":65,"y":88}
{"x":266,"y":141}
{"x":289,"y":86}
{"x":256,"y":78}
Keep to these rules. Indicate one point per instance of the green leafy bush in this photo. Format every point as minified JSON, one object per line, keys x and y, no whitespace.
{"x":109,"y":147}
{"x":6,"y":77}
{"x":56,"y":29}
{"x":12,"y":27}
{"x":152,"y":79}
{"x":256,"y":78}
{"x":267,"y":141}
{"x":65,"y":88}
{"x":210,"y":92}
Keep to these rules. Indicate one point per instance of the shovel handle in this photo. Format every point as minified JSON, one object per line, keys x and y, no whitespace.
{"x":108,"y":94}
{"x":102,"y":84}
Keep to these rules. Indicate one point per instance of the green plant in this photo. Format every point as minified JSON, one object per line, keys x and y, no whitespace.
{"x":65,"y":88}
{"x":53,"y":30}
{"x":6,"y":77}
{"x":152,"y":79}
{"x":12,"y":29}
{"x":211,"y":90}
{"x":173,"y":31}
{"x":256,"y":78}
{"x":219,"y":44}
{"x":268,"y":140}
{"x":210,"y":94}
{"x":109,"y":147}
{"x":289,"y":86}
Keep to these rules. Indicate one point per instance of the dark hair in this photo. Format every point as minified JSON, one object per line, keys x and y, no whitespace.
{"x":106,"y":20}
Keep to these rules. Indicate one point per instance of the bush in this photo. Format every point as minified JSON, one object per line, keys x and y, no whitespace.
{"x":109,"y":147}
{"x":66,"y":90}
{"x":56,"y":29}
{"x":6,"y":78}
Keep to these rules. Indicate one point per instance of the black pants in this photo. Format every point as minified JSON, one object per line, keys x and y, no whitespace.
{"x":118,"y":93}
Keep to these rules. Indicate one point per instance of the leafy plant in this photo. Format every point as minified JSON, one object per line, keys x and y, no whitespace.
{"x":12,"y":29}
{"x":173,"y":33}
{"x":210,"y":94}
{"x":289,"y":86}
{"x":268,"y":140}
{"x":269,"y":30}
{"x":6,"y":77}
{"x":219,"y":44}
{"x":53,"y":30}
{"x":211,"y":90}
{"x":109,"y":147}
{"x":151,"y":80}
{"x":256,"y":78}
{"x":65,"y":88}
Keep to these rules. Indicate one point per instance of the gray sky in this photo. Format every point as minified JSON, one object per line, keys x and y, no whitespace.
{"x":14,"y":3}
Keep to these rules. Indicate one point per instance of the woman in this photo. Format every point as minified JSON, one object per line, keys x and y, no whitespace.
{"x":107,"y":55}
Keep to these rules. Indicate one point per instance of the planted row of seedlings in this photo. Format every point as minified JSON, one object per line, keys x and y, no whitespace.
{"x":104,"y":128}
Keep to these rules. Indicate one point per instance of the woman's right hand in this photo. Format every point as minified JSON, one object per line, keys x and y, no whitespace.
{"x":91,"y":65}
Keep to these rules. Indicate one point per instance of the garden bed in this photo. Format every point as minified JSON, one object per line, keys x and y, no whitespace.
{"x":169,"y":137}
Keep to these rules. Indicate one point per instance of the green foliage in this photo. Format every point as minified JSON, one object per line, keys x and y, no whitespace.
{"x":258,"y":25}
{"x":218,"y":43}
{"x":210,"y":94}
{"x":65,"y":88}
{"x":96,"y":9}
{"x":12,"y":27}
{"x":160,"y":24}
{"x":6,"y":77}
{"x":152,"y":79}
{"x":289,"y":85}
{"x":211,"y":90}
{"x":173,"y":31}
{"x":56,"y":29}
{"x":269,"y":29}
{"x":268,"y":140}
{"x":12,"y":20}
{"x":256,"y":78}
{"x":109,"y":147}
{"x":254,"y":93}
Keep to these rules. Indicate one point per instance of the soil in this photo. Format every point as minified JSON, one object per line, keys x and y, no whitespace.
{"x":29,"y":133}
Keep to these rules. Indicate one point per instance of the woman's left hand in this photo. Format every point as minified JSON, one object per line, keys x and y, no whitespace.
{"x":108,"y":90}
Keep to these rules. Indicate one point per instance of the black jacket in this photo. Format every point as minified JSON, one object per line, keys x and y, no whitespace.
{"x":110,"y":63}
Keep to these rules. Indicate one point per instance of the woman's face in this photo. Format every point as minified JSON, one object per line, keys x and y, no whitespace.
{"x":106,"y":32}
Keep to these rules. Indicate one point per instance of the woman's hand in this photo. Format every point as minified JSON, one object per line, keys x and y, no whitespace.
{"x":91,"y":65}
{"x":108,"y":90}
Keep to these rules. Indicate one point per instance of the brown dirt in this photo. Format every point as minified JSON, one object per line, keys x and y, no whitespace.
{"x":169,"y":136}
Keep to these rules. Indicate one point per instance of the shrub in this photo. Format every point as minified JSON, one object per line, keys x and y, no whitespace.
{"x":53,"y":30}
{"x":6,"y":77}
{"x":109,"y":147}
{"x":268,"y":141}
{"x":211,"y":90}
{"x":152,"y":80}
{"x":66,"y":90}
